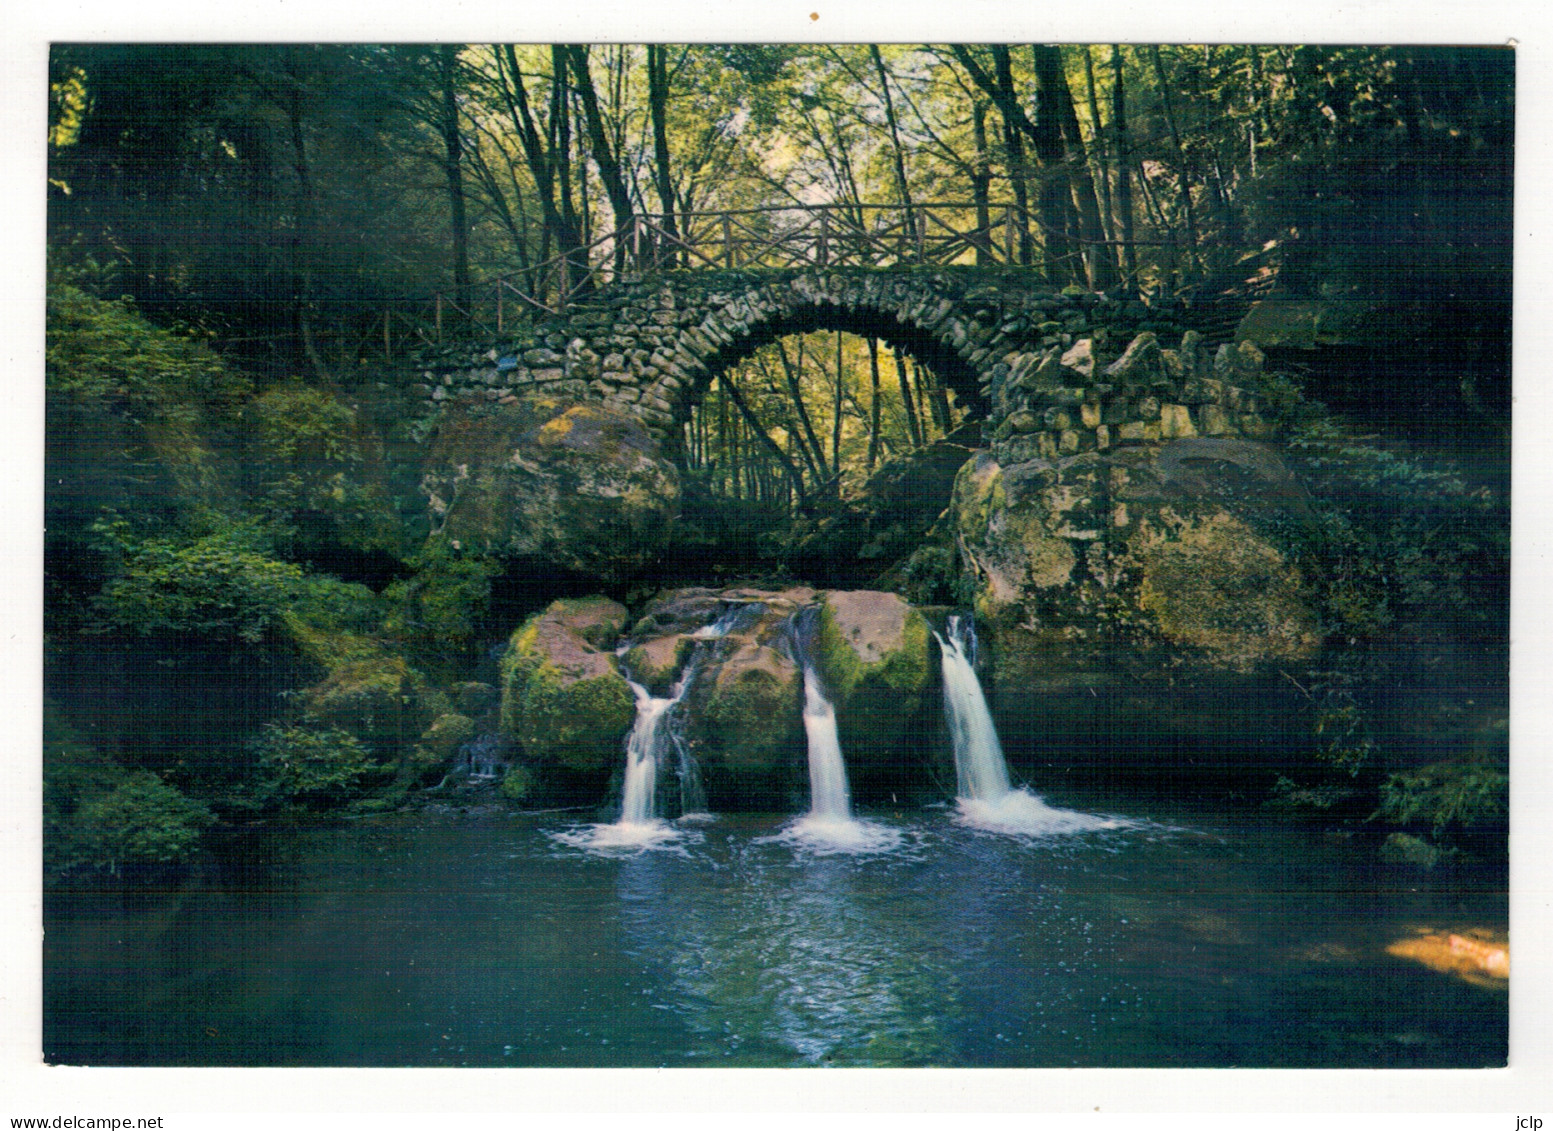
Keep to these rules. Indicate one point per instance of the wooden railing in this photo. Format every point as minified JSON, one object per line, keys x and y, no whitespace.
{"x":780,"y":236}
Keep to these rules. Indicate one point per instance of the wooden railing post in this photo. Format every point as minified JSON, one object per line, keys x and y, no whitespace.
{"x":921,"y":235}
{"x":824,"y":248}
{"x":566,"y":285}
{"x":498,"y":306}
{"x":728,"y":242}
{"x":1008,"y":234}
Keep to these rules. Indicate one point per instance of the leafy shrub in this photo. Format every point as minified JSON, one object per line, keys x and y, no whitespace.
{"x":222,"y":584}
{"x":143,"y":821}
{"x":444,"y":606}
{"x":1447,"y":798}
{"x":309,"y":766}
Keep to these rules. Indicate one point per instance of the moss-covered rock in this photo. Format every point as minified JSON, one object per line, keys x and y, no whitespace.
{"x":576,"y":484}
{"x":873,"y":652}
{"x":1213,"y":584}
{"x":382,"y":701}
{"x":563,"y":698}
{"x":1137,"y":604}
{"x":746,"y":719}
{"x":438,"y":745}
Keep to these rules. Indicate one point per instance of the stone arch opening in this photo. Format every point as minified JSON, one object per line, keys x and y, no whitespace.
{"x":865,"y":322}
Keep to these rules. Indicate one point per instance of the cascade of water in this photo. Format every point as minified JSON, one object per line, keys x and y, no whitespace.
{"x":642,"y":750}
{"x":829,"y":825}
{"x":985,"y":797}
{"x":980,"y":767}
{"x":829,"y":797}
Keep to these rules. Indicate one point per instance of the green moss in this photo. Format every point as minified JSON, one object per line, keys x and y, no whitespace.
{"x":1216,"y":586}
{"x":753,"y":717}
{"x":518,"y":783}
{"x":904,"y":670}
{"x":578,"y":723}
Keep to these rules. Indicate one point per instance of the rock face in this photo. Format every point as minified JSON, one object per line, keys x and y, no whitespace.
{"x":743,"y":711}
{"x":874,"y":654}
{"x":1128,"y":576}
{"x":578,"y":485}
{"x":563,"y":699}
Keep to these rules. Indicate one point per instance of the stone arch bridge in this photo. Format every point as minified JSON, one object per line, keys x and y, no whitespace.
{"x":1049,"y":373}
{"x":650,"y":346}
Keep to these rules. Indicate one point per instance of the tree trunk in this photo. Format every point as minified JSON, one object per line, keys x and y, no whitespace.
{"x":1123,"y":167}
{"x":302,"y":237}
{"x":452,"y":168}
{"x":873,"y":403}
{"x":794,"y":388}
{"x":758,"y":430}
{"x":658,"y":104}
{"x":835,"y":427}
{"x":913,"y":428}
{"x":603,"y":154}
{"x":1056,"y":204}
{"x":1050,"y":78}
{"x":895,"y":143}
{"x":1182,"y":180}
{"x":981,"y":183}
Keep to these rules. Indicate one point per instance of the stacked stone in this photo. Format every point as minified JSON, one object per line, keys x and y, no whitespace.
{"x":646,"y":345}
{"x":1060,"y":403}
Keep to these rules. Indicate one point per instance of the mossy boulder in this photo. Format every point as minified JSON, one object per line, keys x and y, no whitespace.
{"x":1137,"y":605}
{"x":577,"y":485}
{"x":656,"y":663}
{"x":563,"y":698}
{"x":381,"y":701}
{"x":439,"y":744}
{"x":874,"y":653}
{"x":746,"y":723}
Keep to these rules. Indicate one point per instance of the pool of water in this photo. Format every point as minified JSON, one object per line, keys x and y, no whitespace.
{"x":485,"y":938}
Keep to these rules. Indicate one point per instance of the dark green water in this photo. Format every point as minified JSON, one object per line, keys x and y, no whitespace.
{"x":472,"y":938}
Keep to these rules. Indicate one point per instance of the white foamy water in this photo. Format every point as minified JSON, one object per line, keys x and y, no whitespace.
{"x":831,"y":836}
{"x":648,"y":743}
{"x":986,"y":800}
{"x":1021,"y":813}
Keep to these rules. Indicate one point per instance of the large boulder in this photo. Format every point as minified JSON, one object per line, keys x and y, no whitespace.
{"x":874,"y":654}
{"x":1139,"y":605}
{"x":563,"y":698}
{"x":743,"y":703}
{"x":382,"y":701}
{"x":575,"y":484}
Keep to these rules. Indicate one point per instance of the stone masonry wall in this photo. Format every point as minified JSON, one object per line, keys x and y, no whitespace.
{"x":649,"y":347}
{"x":1059,"y":403}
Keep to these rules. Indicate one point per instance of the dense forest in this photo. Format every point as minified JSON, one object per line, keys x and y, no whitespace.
{"x":253,"y":249}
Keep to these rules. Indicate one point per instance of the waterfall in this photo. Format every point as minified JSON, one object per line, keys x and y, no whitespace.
{"x":643,"y":746}
{"x":980,"y":768}
{"x":829,"y":826}
{"x":654,"y":738}
{"x":985,"y":799}
{"x":829,"y":797}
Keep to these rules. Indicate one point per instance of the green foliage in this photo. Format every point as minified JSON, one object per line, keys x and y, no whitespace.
{"x":1448,"y":799}
{"x":443,"y":608}
{"x":307,"y":474}
{"x":518,"y":783}
{"x":223,"y":584}
{"x":1342,"y":737}
{"x":1394,"y":536}
{"x":142,"y":821}
{"x":308,"y":766}
{"x":106,"y":353}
